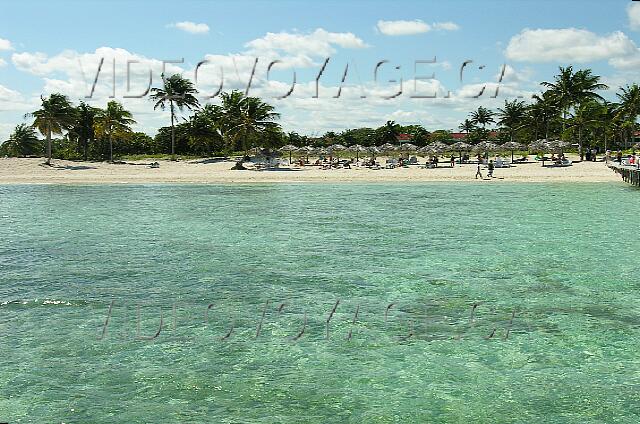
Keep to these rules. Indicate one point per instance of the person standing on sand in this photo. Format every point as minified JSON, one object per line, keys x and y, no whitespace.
{"x":453,"y":161}
{"x":491,"y":167}
{"x":478,"y":173}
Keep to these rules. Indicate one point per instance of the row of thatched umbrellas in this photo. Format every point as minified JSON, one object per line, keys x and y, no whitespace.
{"x":431,"y":149}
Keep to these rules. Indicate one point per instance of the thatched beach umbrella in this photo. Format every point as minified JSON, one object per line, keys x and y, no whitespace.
{"x":374,"y":151}
{"x":306,"y":150}
{"x":485,"y":146}
{"x":320,"y":151}
{"x":542,"y":145}
{"x":335,"y":148}
{"x":558,"y":145}
{"x":408,"y":147}
{"x":357,"y":148}
{"x":387,"y":147}
{"x":289,"y":148}
{"x":539,"y":145}
{"x":512,"y":146}
{"x":435,"y":148}
{"x":460,"y":147}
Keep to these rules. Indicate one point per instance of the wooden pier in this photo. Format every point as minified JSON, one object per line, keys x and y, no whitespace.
{"x":629,"y":173}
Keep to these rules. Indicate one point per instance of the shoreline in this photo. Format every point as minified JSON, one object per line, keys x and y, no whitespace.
{"x":30,"y":171}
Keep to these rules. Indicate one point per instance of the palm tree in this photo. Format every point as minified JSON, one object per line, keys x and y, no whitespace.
{"x":482,"y":116}
{"x":562,"y":90}
{"x":390,"y":132}
{"x":467,"y":126}
{"x":83,"y":129}
{"x":55,"y":115}
{"x":179,"y":93}
{"x":255,"y":118}
{"x":629,"y":109}
{"x":571,"y":89}
{"x":543,"y":110}
{"x":204,"y":135}
{"x":511,"y":116}
{"x":113,"y":121}
{"x":23,"y":141}
{"x":583,"y":116}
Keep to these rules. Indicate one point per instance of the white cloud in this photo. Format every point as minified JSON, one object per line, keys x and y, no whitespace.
{"x":190,"y":27}
{"x":633,"y":12}
{"x":316,"y":44}
{"x":412,"y":27}
{"x":567,"y":45}
{"x":446,"y":26}
{"x":5,"y":44}
{"x":403,"y":27}
{"x":3,"y":63}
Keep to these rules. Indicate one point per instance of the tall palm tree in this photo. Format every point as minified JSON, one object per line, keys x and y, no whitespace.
{"x":572,"y":88}
{"x":23,"y":141}
{"x":178,"y":93}
{"x":512,"y":115}
{"x":586,"y":85}
{"x":482,"y":116}
{"x":562,"y":90}
{"x":56,"y":114}
{"x":83,"y":129}
{"x":112,"y":122}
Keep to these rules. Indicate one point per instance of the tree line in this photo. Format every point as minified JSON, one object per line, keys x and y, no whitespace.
{"x":569,"y":108}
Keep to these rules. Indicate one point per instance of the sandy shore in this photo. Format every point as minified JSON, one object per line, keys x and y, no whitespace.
{"x":31,"y":171}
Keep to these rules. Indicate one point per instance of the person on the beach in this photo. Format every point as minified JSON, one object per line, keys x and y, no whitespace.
{"x":478,"y":173}
{"x":619,"y":156}
{"x":453,"y":161}
{"x":607,"y":156}
{"x":491,"y":166}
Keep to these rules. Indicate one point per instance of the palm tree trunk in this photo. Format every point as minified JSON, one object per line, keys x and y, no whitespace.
{"x":173,"y":135}
{"x":580,"y":152}
{"x":48,"y":145}
{"x":85,"y":146}
{"x":110,"y":149}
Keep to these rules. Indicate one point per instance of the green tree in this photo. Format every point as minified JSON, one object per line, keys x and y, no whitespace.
{"x":246,"y":118}
{"x":511,"y":116}
{"x":389,"y":132}
{"x":466,"y":127}
{"x":112,"y":122}
{"x":629,"y":109}
{"x":56,"y":115}
{"x":83,"y":128}
{"x":482,"y":116}
{"x":177,"y":92}
{"x":23,"y":141}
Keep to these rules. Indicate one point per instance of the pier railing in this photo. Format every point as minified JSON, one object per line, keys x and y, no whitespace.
{"x":629,"y":173}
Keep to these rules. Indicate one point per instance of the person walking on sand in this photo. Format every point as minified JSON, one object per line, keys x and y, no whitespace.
{"x":453,"y":161}
{"x":478,"y":173}
{"x":491,"y":166}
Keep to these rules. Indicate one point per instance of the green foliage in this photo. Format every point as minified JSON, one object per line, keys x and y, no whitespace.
{"x":22,"y":142}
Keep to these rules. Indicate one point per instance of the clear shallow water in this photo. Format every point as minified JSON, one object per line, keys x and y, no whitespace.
{"x":564,"y":257}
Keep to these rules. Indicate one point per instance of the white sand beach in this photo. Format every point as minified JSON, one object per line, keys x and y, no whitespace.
{"x":32,"y":171}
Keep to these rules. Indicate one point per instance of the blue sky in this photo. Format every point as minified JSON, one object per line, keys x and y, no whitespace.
{"x":56,"y":46}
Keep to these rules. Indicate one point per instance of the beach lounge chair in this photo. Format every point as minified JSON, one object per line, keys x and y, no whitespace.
{"x":413,"y":160}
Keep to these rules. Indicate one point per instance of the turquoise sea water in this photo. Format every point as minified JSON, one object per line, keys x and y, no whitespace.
{"x":564,"y":257}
